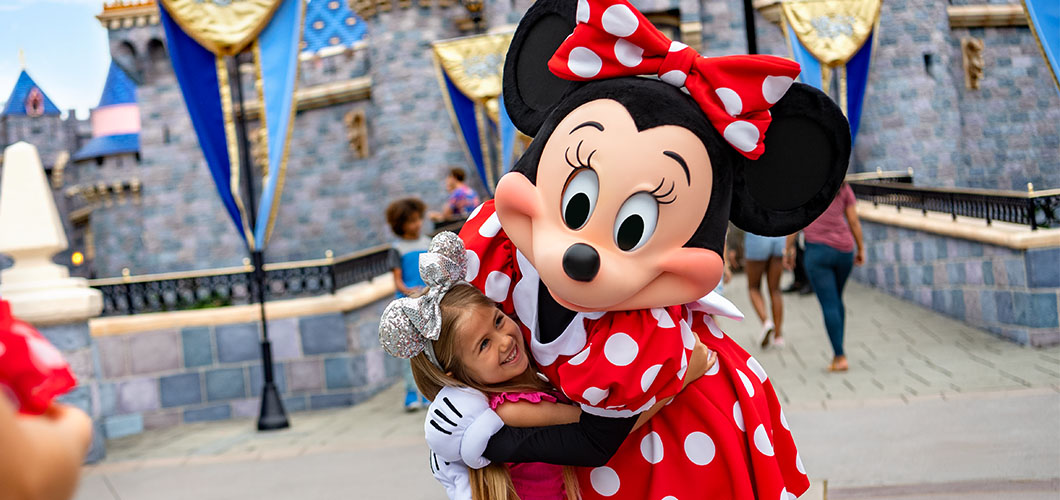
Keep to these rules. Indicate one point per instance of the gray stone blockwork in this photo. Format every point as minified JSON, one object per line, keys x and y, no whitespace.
{"x":917,"y":115}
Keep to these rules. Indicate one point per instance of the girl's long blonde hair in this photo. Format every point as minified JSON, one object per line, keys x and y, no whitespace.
{"x":492,"y":482}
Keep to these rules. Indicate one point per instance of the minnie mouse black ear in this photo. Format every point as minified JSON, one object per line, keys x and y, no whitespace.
{"x":807,"y":150}
{"x":531,"y":91}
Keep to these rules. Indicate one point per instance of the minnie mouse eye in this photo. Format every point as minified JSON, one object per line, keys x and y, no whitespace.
{"x":579,"y":197}
{"x":636,"y":221}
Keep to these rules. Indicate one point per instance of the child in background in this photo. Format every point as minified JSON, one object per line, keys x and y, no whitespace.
{"x":479,"y":347}
{"x":405,"y":217}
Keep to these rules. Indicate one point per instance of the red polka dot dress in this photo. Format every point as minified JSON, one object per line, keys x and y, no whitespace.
{"x":723,"y":437}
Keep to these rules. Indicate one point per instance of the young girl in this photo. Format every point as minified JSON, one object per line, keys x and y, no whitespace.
{"x":476,"y":345}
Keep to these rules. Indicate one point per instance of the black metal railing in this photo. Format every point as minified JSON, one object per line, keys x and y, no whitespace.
{"x":235,"y":285}
{"x":1034,"y":209}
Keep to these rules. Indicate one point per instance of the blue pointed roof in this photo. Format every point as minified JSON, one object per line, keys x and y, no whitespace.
{"x":119,"y":88}
{"x":330,"y":23}
{"x":16,"y":102}
{"x":109,"y":145}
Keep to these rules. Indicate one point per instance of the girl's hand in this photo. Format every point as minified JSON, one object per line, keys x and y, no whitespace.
{"x":859,"y":258}
{"x":702,"y":360}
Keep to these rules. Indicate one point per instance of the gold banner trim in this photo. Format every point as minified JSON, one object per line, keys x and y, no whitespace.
{"x":832,"y":30}
{"x":223,"y":27}
{"x":474,"y":63}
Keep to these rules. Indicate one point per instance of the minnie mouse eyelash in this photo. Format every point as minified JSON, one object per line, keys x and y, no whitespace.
{"x":588,"y":163}
{"x":659,"y":197}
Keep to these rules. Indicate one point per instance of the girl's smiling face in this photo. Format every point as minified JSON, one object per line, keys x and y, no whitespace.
{"x":490,"y":346}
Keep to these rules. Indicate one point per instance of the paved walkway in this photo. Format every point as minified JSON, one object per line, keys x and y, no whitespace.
{"x":931,"y":409}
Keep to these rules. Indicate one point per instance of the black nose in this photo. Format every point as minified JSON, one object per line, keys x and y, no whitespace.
{"x":581,"y":262}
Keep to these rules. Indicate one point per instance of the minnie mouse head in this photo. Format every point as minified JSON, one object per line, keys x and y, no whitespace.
{"x":623,"y":198}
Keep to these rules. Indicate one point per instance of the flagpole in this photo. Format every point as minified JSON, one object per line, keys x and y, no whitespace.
{"x":272,"y":415}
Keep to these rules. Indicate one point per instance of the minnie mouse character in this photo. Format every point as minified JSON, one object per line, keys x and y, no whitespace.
{"x":606,"y":239}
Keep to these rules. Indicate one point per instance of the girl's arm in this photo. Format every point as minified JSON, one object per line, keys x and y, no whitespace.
{"x":545,"y":413}
{"x":399,"y":282}
{"x":855,"y":228}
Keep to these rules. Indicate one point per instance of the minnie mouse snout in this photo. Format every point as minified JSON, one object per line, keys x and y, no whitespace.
{"x":581,"y":262}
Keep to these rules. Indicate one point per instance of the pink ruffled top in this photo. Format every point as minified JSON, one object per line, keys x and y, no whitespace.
{"x":535,"y":480}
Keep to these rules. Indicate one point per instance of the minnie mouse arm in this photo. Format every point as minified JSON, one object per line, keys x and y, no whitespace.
{"x":589,"y":443}
{"x":633,"y":360}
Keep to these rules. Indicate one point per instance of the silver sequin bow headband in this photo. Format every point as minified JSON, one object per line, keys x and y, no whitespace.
{"x":410,"y":325}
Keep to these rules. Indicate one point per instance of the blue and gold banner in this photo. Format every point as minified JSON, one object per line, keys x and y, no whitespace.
{"x":469,"y":74}
{"x":201,"y":34}
{"x":833,"y":42}
{"x":1044,"y":18}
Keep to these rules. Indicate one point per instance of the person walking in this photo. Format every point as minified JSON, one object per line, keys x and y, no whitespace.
{"x":833,"y":247}
{"x":762,"y":256}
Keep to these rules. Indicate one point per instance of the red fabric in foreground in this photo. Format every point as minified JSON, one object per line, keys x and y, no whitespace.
{"x":32,"y":371}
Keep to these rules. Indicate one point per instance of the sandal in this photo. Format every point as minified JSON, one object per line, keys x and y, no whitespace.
{"x":838,"y":366}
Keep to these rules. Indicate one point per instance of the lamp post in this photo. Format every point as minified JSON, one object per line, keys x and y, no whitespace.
{"x":749,"y":26}
{"x":272,"y":415}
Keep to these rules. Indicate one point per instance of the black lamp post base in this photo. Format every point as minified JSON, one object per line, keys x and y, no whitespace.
{"x":272,"y":415}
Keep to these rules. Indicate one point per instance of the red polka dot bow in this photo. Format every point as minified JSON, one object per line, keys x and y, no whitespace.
{"x":613,"y":39}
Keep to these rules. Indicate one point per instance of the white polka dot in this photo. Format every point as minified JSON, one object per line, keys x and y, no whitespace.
{"x":647,"y":406}
{"x":677,"y":46}
{"x":474,"y":213}
{"x":605,"y":481}
{"x":714,"y":369}
{"x":674,"y":77}
{"x":542,"y":376}
{"x":737,"y":415}
{"x":648,"y":378}
{"x":784,"y":495}
{"x":580,"y":358}
{"x":497,"y":286}
{"x":669,"y":497}
{"x":595,"y":315}
{"x":746,"y":384}
{"x":651,"y":447}
{"x":628,"y":53}
{"x":699,"y":448}
{"x":731,"y":100}
{"x":774,"y":87}
{"x":798,"y":463}
{"x":762,"y":441}
{"x":583,"y":11}
{"x":784,"y":420}
{"x":756,"y":367}
{"x":491,"y":227}
{"x":713,"y":327}
{"x":662,"y":317}
{"x":619,"y":21}
{"x":742,"y":135}
{"x":594,"y":395}
{"x":44,"y":355}
{"x":472,"y":265}
{"x":584,"y":62}
{"x":620,"y":349}
{"x":684,"y":366}
{"x":688,"y":339}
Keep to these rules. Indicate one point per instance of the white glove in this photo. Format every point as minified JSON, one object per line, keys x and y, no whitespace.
{"x":453,"y":476}
{"x":459,"y":425}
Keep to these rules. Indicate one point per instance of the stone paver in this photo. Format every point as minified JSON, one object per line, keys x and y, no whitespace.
{"x":931,"y":409}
